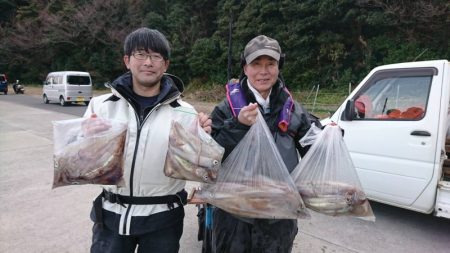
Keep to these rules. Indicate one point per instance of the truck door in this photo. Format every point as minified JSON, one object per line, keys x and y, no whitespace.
{"x":392,"y":136}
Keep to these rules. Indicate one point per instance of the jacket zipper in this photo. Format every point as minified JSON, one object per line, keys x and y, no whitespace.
{"x":140,"y":123}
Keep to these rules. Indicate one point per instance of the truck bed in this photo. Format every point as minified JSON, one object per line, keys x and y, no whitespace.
{"x":442,"y":207}
{"x":446,"y":166}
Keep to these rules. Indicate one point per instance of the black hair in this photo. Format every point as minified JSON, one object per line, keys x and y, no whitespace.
{"x":147,"y":39}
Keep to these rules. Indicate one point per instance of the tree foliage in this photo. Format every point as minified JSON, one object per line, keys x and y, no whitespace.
{"x":326,"y":42}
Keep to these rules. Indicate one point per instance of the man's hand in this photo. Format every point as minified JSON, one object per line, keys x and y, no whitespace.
{"x":205,"y":122}
{"x":93,"y":125}
{"x":248,"y":114}
{"x":334,"y":124}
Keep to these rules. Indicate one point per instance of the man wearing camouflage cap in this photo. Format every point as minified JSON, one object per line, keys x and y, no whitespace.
{"x":264,"y":91}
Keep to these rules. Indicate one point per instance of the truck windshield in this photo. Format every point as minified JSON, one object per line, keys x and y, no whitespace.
{"x":79,"y":80}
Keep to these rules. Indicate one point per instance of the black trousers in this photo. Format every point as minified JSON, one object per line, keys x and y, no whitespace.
{"x":166,"y":240}
{"x":231,"y":234}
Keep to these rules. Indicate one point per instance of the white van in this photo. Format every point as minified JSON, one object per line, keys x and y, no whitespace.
{"x":67,"y":87}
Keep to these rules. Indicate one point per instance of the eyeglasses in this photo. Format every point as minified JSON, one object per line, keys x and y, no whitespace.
{"x":143,"y":56}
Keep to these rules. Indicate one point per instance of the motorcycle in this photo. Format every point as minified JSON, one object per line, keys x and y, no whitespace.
{"x":18,"y":88}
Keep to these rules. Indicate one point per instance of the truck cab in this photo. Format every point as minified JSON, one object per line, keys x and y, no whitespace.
{"x":396,"y":124}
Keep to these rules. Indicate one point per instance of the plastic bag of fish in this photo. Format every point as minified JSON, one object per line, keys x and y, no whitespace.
{"x":192,"y":154}
{"x":94,"y":158}
{"x":326,"y":177}
{"x":335,"y":198}
{"x":268,"y":199}
{"x":253,"y":181}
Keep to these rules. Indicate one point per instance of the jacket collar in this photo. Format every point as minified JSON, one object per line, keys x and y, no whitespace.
{"x":277,"y":96}
{"x":172,"y":86}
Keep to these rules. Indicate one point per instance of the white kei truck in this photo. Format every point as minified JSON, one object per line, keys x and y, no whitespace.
{"x":396,"y":124}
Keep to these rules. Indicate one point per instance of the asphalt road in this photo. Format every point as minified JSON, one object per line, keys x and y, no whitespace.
{"x":36,"y":218}
{"x":35,"y":101}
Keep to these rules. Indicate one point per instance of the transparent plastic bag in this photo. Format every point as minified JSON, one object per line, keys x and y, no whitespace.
{"x":192,"y":154}
{"x":93,"y":159}
{"x":311,"y":135}
{"x":327,"y":179}
{"x":253,"y":181}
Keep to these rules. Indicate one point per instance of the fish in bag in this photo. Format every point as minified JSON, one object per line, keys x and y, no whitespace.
{"x":192,"y":153}
{"x":253,"y":181}
{"x":326,"y":177}
{"x":96,"y":158}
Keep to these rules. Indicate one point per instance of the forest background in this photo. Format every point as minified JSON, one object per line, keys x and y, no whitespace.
{"x":327,"y":42}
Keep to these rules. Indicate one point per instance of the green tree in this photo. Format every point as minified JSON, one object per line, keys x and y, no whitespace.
{"x":326,"y":42}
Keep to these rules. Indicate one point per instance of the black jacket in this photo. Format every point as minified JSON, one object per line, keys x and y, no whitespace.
{"x":227,"y":131}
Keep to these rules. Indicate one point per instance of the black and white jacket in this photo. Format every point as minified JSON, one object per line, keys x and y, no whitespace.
{"x":144,"y":154}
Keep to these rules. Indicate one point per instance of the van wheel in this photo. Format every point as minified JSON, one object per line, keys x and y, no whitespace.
{"x":62,"y":101}
{"x":45,"y":99}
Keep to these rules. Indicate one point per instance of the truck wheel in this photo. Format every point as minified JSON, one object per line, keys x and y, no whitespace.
{"x":45,"y":99}
{"x":62,"y":101}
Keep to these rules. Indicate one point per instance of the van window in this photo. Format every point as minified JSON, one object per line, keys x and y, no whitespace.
{"x":49,"y":80}
{"x":394,"y":98}
{"x":79,"y":80}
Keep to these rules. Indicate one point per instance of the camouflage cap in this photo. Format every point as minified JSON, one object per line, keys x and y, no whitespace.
{"x":262,"y":45}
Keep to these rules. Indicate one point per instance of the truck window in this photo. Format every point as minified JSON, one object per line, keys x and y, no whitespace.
{"x":394,"y":98}
{"x":79,"y":80}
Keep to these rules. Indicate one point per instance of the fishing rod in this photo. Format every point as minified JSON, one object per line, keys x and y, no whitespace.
{"x":230,"y":30}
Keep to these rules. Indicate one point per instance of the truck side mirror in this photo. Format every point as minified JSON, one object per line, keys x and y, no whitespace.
{"x":349,"y":111}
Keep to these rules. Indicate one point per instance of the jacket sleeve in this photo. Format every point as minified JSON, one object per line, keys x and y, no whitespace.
{"x":226,"y":130}
{"x":90,"y":108}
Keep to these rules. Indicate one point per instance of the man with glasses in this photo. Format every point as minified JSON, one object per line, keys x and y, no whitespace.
{"x":148,"y":212}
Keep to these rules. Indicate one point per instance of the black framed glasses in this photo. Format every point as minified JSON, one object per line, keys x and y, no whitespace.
{"x":143,"y":56}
